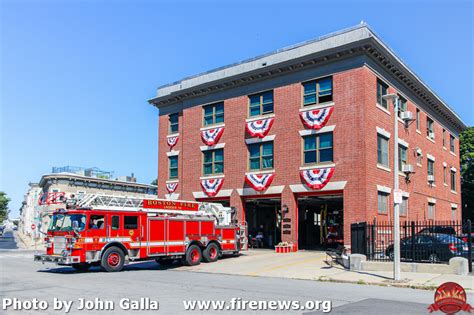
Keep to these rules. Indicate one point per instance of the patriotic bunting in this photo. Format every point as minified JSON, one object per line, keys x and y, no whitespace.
{"x":172,"y":140}
{"x":259,"y":182}
{"x":171,"y":187}
{"x":212,"y":186}
{"x":212,"y":136}
{"x":259,"y":128}
{"x":317,"y":178}
{"x":316,"y":119}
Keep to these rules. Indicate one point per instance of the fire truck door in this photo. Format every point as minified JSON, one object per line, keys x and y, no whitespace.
{"x":175,"y":236}
{"x":96,"y":229}
{"x":131,"y":228}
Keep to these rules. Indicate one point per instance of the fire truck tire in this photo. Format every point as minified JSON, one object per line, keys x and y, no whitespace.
{"x":112,"y":259}
{"x":211,"y":253}
{"x":81,"y":266}
{"x":193,"y":256}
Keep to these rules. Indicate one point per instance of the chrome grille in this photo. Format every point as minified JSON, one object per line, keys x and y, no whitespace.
{"x":59,"y":244}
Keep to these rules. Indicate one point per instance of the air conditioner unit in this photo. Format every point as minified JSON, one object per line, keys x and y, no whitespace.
{"x":407,"y":116}
{"x":430,"y":179}
{"x":407,"y":168}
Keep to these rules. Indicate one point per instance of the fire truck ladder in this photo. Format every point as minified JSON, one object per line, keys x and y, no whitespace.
{"x":110,"y":202}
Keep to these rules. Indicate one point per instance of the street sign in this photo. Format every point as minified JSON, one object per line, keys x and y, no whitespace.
{"x":33,"y":226}
{"x":397,"y":196}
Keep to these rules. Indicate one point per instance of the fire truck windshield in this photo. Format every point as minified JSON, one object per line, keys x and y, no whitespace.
{"x":63,"y":222}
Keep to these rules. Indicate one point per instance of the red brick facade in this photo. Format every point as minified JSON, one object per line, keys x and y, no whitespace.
{"x":355,"y":118}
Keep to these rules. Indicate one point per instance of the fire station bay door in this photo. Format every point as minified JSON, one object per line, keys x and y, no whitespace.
{"x":320,"y":221}
{"x":263,"y":216}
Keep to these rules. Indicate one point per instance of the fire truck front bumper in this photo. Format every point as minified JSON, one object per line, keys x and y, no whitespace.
{"x":58,"y":259}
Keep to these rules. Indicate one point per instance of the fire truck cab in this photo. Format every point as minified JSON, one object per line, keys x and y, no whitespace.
{"x":162,"y":230}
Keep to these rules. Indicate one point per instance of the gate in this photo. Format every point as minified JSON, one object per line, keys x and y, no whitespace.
{"x":359,"y":238}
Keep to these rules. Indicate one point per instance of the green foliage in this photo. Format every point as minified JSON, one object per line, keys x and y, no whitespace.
{"x":4,"y":200}
{"x":466,"y":148}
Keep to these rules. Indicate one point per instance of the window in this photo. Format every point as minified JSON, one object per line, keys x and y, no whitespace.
{"x":213,"y":114}
{"x":430,"y":167}
{"x":382,"y":202}
{"x":451,"y":143}
{"x":213,"y":162}
{"x":453,"y":213}
{"x":444,"y":138}
{"x":173,"y":166}
{"x":453,"y":180}
{"x":317,"y":92}
{"x":430,"y":128}
{"x":402,"y":157}
{"x":419,"y":157}
{"x":261,"y":104}
{"x":431,"y":210}
{"x":115,"y":222}
{"x":261,"y":156}
{"x":174,"y":122}
{"x":402,"y":105}
{"x":382,"y":150}
{"x":381,"y":91}
{"x":96,"y":222}
{"x":130,"y":222}
{"x":404,"y":206}
{"x":417,"y":119}
{"x":318,"y":148}
{"x":445,"y":176}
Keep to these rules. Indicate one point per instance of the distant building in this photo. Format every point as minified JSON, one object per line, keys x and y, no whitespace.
{"x":75,"y":181}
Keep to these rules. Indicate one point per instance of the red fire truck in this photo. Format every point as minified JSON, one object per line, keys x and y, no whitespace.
{"x":111,"y":231}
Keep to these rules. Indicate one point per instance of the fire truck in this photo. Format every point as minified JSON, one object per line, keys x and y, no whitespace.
{"x":111,"y":231}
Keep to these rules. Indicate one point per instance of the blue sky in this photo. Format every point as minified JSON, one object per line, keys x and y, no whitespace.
{"x":75,"y":75}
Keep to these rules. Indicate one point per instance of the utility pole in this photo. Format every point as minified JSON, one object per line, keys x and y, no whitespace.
{"x":396,"y":191}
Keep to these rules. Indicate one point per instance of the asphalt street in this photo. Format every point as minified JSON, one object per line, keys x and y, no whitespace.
{"x":23,"y":279}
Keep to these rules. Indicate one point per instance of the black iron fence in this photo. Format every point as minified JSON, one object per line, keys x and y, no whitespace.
{"x":420,"y":241}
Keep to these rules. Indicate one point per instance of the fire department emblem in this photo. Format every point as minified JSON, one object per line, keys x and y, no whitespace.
{"x":316,"y":119}
{"x":450,"y":298}
{"x":131,"y":232}
{"x":212,"y":136}
{"x":259,"y":128}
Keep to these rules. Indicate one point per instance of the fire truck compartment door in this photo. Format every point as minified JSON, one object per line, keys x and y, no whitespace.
{"x":156,"y":236}
{"x":175,"y":236}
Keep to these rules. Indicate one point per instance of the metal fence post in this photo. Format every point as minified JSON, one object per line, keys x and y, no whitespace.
{"x":469,"y":244}
{"x":412,"y":238}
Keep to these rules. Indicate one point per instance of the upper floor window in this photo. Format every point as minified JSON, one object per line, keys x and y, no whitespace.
{"x":445,"y":179}
{"x":402,"y":157}
{"x":173,"y":166}
{"x":261,"y":104}
{"x":431,"y":210}
{"x":430,"y":167}
{"x":318,"y":91}
{"x":261,"y":156}
{"x":382,"y":89}
{"x":174,"y":122}
{"x":451,"y":143}
{"x":402,"y":105}
{"x":444,"y":138}
{"x":382,"y":150}
{"x":213,"y":162}
{"x":430,"y":128}
{"x":453,"y":180}
{"x":213,"y":114}
{"x":417,"y":119}
{"x":404,"y":206}
{"x":318,"y":148}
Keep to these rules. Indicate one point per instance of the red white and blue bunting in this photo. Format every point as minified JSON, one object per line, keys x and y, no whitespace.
{"x":259,"y":128}
{"x":316,"y":119}
{"x":259,"y":182}
{"x":317,"y":178}
{"x":172,"y":141}
{"x":212,"y":186}
{"x":212,"y":136}
{"x":171,"y":187}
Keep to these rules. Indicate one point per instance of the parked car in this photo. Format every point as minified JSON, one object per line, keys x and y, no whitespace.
{"x":430,"y":247}
{"x":438,"y":229}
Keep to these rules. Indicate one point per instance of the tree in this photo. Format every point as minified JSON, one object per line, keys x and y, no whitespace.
{"x":154,"y":182}
{"x":466,"y":148}
{"x":4,"y":200}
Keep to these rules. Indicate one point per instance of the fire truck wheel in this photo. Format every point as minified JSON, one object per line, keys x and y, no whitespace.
{"x":112,"y":259}
{"x":193,"y":256}
{"x":211,"y":253}
{"x":81,"y":266}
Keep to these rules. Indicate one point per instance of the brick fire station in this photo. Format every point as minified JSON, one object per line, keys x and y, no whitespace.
{"x":300,"y":141}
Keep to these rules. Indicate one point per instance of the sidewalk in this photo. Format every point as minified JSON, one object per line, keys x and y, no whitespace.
{"x":311,"y":265}
{"x":25,"y":242}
